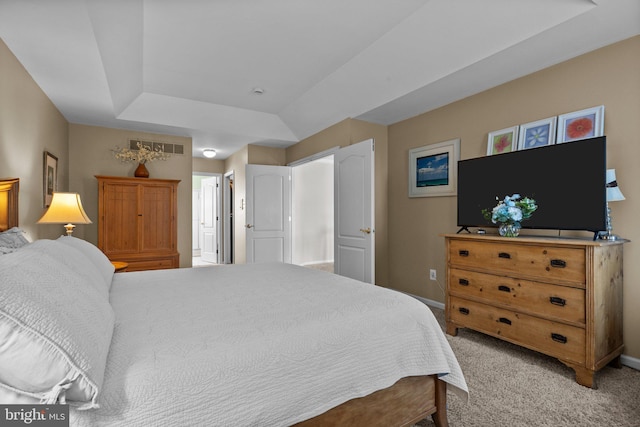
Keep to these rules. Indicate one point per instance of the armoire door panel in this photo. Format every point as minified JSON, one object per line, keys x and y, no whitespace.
{"x":121,"y":218}
{"x":156,"y":219}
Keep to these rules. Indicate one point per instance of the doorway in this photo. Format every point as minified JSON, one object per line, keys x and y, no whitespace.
{"x":313,"y":216}
{"x":228,"y":196}
{"x":206,"y":219}
{"x":353,"y":212}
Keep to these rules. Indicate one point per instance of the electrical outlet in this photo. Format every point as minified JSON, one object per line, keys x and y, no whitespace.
{"x":432,"y":274}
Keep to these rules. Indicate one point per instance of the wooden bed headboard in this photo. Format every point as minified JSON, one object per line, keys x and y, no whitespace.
{"x":9,"y":203}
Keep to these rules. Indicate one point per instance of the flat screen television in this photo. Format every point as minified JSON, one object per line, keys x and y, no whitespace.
{"x":566,"y":180}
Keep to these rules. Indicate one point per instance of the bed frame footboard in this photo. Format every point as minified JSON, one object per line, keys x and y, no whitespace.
{"x":408,"y":401}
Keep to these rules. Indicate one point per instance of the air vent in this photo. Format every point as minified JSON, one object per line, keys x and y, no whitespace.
{"x":157,"y":146}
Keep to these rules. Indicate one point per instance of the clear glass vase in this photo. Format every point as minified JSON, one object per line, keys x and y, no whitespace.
{"x":510,"y":229}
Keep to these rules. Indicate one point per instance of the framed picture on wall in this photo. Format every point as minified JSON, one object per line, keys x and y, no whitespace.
{"x":581,"y":124}
{"x":537,"y":134}
{"x":503,"y":141}
{"x":50,"y":177}
{"x":433,"y":169}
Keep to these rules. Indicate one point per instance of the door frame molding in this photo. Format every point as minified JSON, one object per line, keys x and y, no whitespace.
{"x":228,"y":222}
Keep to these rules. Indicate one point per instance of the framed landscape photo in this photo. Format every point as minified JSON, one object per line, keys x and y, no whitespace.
{"x":50,"y":177}
{"x":433,"y":169}
{"x":503,"y":141}
{"x":581,"y":124}
{"x":537,"y":134}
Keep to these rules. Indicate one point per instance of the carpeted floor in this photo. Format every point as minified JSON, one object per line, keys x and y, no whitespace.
{"x":511,"y":386}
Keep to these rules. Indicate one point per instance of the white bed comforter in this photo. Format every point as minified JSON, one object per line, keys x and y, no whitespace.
{"x":258,"y":345}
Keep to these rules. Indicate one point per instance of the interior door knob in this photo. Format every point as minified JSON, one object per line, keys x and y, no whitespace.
{"x":249,"y":226}
{"x":366,"y":230}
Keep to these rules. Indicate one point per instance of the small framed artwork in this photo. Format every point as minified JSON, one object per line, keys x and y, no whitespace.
{"x":503,"y":141}
{"x":50,"y":177}
{"x":537,"y":134}
{"x":581,"y":124}
{"x":433,"y":169}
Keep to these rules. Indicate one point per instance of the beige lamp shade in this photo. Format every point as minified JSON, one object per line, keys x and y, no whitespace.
{"x":65,"y":208}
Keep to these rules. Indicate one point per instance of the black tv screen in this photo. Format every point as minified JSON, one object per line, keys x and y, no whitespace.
{"x":566,"y":180}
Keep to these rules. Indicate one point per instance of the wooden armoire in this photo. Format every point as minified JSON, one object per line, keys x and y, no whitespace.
{"x":137,"y":221}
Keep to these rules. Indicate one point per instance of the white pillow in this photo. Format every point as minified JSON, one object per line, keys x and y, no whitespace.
{"x":75,"y":260}
{"x":99,"y":259}
{"x":55,"y":330}
{"x":12,"y":240}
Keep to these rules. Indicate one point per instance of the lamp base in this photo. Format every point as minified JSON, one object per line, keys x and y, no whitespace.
{"x":609,"y":237}
{"x":69,"y":227}
{"x":604,"y":235}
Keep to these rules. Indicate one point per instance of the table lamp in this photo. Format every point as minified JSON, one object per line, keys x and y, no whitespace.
{"x":613,"y":195}
{"x":65,"y":208}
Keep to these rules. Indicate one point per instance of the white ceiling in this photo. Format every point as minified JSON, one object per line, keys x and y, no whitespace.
{"x":189,"y":67}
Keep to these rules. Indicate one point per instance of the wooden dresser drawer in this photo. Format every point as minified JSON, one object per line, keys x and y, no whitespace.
{"x":544,"y":262}
{"x":543,"y":299}
{"x":138,"y":263}
{"x":151,"y":264}
{"x":555,"y":339}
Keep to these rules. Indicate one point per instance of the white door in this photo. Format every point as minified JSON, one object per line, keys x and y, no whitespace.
{"x":210,"y":219}
{"x":196,"y":212}
{"x":268,"y":213}
{"x":354,"y":214}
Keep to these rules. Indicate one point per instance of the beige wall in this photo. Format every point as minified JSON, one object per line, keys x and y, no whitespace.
{"x":29,"y":125}
{"x":207,"y":166}
{"x":345,"y":133}
{"x":607,"y":76}
{"x":259,"y":155}
{"x":90,"y":154}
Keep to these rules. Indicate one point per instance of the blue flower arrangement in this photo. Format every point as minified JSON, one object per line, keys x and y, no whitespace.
{"x":512,"y":210}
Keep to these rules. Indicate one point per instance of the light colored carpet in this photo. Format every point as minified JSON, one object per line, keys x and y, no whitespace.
{"x":327,"y":266}
{"x":511,"y":386}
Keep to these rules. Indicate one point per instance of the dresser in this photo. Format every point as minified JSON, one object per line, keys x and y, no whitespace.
{"x":137,"y":221}
{"x":559,"y":296}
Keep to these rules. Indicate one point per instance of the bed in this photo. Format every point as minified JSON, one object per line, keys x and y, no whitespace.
{"x":257,"y":344}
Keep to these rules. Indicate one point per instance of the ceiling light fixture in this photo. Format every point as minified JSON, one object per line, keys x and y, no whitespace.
{"x":209,"y":153}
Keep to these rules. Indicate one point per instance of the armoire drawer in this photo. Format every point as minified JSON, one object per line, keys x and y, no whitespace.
{"x":138,"y":263}
{"x":552,"y":338}
{"x":545,"y":262}
{"x":542,"y":299}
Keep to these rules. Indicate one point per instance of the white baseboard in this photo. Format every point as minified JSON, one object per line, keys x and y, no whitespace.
{"x":428,"y":301}
{"x":305,"y":264}
{"x":629,"y":361}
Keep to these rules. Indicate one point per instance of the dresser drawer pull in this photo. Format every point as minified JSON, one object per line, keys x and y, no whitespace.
{"x":504,"y":320}
{"x":463,"y":282}
{"x":558,"y":301}
{"x":504,"y":288}
{"x":559,"y":338}
{"x":463,"y":252}
{"x":463,"y":310}
{"x":558,"y":263}
{"x":505,"y":255}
